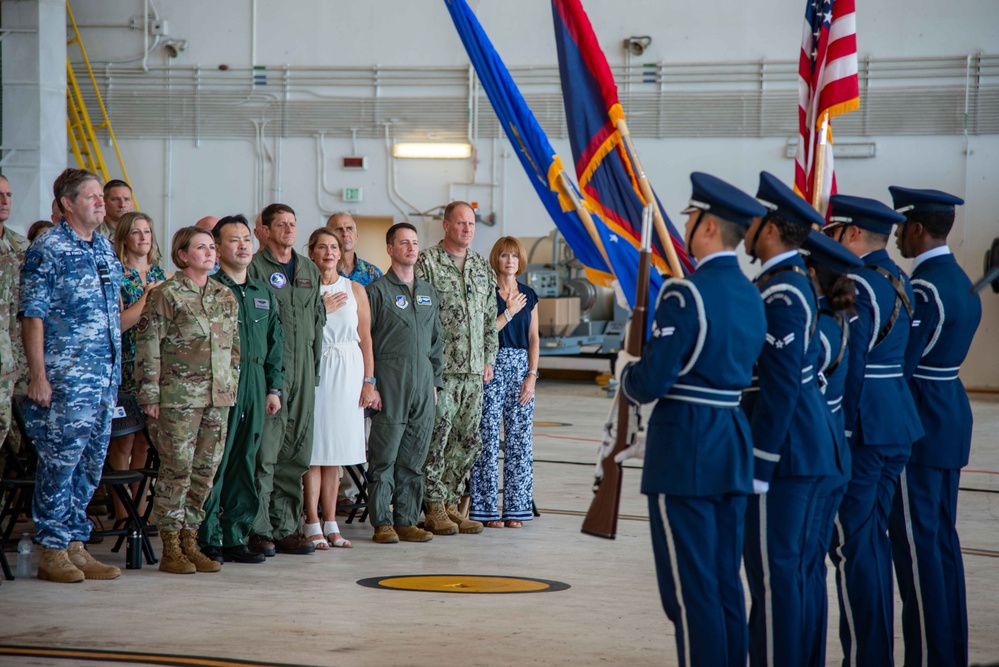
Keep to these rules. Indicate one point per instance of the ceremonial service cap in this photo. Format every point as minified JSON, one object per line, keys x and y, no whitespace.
{"x":726,"y":201}
{"x":821,"y":249}
{"x":782,"y":200}
{"x":910,"y":199}
{"x":869,"y":214}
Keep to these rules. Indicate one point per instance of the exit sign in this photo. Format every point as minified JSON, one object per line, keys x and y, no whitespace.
{"x":352,"y":194}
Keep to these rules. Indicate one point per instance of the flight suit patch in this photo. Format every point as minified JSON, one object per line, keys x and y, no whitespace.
{"x":262,"y":304}
{"x":304,"y":282}
{"x":401,"y":301}
{"x":278,"y":280}
{"x":423,"y":300}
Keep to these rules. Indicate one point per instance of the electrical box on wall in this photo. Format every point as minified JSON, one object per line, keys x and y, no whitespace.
{"x":352,"y":194}
{"x":355,"y":162}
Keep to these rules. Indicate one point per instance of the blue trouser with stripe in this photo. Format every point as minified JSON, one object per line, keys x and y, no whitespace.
{"x":777,"y":553}
{"x":71,"y":437}
{"x":828,"y":498}
{"x":862,"y":555}
{"x":929,"y":567}
{"x":697,"y":544}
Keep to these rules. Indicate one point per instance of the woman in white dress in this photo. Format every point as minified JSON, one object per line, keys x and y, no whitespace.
{"x":343,"y":392}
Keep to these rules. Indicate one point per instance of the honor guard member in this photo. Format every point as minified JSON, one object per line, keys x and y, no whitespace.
{"x":232,"y":506}
{"x":286,"y":445}
{"x":881,"y":421}
{"x":828,"y":263}
{"x":70,"y":323}
{"x":925,"y":545}
{"x":794,"y":446}
{"x":409,"y":364}
{"x":709,"y":329}
{"x":466,"y":284}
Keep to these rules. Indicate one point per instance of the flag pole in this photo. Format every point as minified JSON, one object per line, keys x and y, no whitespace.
{"x":650,"y":198}
{"x":584,"y":215}
{"x":820,"y":165}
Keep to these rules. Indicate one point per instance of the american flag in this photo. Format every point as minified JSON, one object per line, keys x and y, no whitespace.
{"x":827,"y":87}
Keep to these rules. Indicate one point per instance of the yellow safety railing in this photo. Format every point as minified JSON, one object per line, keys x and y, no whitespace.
{"x":82,"y":133}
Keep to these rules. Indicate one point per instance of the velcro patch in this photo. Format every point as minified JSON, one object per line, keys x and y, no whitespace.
{"x":261,"y":304}
{"x":423,"y":300}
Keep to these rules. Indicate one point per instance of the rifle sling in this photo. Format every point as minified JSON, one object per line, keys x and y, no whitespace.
{"x":901,"y":299}
{"x":844,"y":325}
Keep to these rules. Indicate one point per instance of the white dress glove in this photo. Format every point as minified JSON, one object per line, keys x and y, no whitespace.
{"x":760,"y":487}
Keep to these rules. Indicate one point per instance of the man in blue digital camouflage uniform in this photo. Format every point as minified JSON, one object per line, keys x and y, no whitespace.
{"x":70,"y":322}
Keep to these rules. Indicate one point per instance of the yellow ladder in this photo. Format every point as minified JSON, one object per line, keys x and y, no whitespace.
{"x":82,"y":133}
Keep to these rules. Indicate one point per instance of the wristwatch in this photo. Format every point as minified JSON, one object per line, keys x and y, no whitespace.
{"x":274,"y":392}
{"x":534,"y":373}
{"x":370,"y":380}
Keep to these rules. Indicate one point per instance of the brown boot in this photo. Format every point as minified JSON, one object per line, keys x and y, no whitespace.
{"x":437,"y":521}
{"x":189,"y":545}
{"x":413,"y":534}
{"x":385,"y":535}
{"x":466,"y":526}
{"x":90,"y":566}
{"x":56,"y":566}
{"x":173,"y":559}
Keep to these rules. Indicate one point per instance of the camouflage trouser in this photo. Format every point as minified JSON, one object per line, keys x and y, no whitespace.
{"x":6,"y":390}
{"x":190,"y":442}
{"x":71,"y":437}
{"x":456,"y":440}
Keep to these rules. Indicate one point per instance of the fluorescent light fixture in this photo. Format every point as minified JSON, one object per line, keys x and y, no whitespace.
{"x":453,"y":151}
{"x":841,"y":149}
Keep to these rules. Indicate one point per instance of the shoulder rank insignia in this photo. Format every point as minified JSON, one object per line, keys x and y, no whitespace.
{"x":780,"y":342}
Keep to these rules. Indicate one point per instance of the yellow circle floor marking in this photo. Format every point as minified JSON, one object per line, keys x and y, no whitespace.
{"x":464,"y":583}
{"x":106,"y":657}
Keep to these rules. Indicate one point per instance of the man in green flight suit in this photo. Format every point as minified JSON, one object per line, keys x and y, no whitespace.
{"x":286,"y":446}
{"x":466,"y":284}
{"x":232,"y":506}
{"x":406,"y":337}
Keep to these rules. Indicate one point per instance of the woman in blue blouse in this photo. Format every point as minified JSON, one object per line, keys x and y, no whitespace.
{"x":135,"y":245}
{"x":510,"y":397}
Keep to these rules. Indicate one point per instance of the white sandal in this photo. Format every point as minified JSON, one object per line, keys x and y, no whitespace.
{"x":315,"y":535}
{"x":330,"y":528}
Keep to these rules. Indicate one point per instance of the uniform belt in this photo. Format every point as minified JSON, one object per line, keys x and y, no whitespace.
{"x":718,"y":398}
{"x":936,"y":373}
{"x":883,"y":371}
{"x":256,"y":360}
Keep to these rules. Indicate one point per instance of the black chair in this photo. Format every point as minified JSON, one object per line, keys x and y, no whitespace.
{"x":129,"y":419}
{"x":359,"y":474}
{"x":17,"y":485}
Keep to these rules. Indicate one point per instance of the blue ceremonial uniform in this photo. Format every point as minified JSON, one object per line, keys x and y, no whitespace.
{"x":72,"y":285}
{"x":794,"y":443}
{"x":831,"y":259}
{"x":698,"y":468}
{"x":882,"y":423}
{"x":706,"y":334}
{"x":925,"y":545}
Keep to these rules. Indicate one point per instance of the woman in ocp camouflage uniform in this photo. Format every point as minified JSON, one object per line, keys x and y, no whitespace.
{"x":187,"y":368}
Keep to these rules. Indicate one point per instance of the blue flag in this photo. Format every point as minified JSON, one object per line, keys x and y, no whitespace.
{"x":543,"y":166}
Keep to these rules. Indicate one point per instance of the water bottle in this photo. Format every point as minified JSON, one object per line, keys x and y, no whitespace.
{"x":24,"y":556}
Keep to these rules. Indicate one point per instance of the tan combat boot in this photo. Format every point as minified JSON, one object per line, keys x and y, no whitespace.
{"x":385,"y":535}
{"x":413,"y":534}
{"x":189,"y":545}
{"x":173,"y":559}
{"x":466,"y":526}
{"x":437,"y":521}
{"x":56,"y":566}
{"x":90,"y":566}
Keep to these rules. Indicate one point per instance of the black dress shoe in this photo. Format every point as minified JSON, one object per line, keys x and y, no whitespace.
{"x":215,"y":553}
{"x":259,"y":544}
{"x":241,"y":554}
{"x":295,"y":544}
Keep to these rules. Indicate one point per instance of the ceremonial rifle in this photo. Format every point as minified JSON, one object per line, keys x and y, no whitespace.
{"x":601,"y":518}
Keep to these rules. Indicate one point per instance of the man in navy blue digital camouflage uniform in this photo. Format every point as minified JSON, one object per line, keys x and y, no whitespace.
{"x":70,"y":322}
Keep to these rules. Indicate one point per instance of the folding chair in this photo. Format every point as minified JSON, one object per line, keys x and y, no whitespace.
{"x":359,"y":474}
